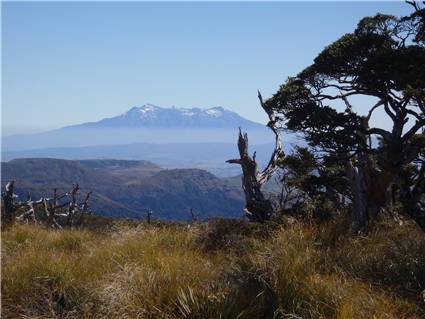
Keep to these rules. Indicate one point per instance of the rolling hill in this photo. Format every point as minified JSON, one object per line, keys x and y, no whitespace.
{"x":128,"y":188}
{"x":208,"y":156}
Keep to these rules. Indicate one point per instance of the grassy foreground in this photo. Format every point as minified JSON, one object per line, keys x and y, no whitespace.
{"x":216,"y":269}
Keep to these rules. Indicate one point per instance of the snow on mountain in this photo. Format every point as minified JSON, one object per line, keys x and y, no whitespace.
{"x":147,"y":124}
{"x":150,"y":116}
{"x":216,"y":112}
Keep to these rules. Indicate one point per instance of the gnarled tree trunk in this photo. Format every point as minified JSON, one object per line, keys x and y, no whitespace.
{"x":357,"y":184}
{"x":369,"y":186}
{"x":258,"y":208}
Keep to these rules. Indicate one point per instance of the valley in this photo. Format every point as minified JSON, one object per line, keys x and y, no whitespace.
{"x":128,"y":189}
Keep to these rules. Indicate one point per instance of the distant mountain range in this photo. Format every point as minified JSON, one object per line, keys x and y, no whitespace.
{"x":170,"y":137}
{"x":152,"y":116}
{"x":145,"y":124}
{"x":129,"y":188}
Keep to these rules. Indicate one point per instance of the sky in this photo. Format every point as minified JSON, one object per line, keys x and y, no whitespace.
{"x":66,"y":63}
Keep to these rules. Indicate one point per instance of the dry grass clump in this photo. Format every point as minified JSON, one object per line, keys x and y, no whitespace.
{"x":389,"y":255}
{"x":218,"y":269}
{"x":232,"y":235}
{"x":135,"y":272}
{"x":303,"y":281}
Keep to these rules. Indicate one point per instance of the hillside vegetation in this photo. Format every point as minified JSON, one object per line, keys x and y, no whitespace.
{"x":214,"y":269}
{"x":124,"y":188}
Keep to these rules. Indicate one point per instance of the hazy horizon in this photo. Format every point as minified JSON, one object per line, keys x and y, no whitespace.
{"x":134,"y":106}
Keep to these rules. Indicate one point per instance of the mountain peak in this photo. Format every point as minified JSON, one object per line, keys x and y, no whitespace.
{"x":150,"y":116}
{"x":216,"y":111}
{"x":148,"y":108}
{"x":142,"y":109}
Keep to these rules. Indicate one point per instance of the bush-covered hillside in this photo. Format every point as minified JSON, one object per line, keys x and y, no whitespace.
{"x":128,"y":188}
{"x":215,"y":269}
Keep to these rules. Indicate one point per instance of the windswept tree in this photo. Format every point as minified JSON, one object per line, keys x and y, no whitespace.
{"x":381,"y":65}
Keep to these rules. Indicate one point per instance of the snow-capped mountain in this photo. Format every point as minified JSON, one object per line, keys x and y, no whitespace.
{"x":151,"y":116}
{"x":146,"y":124}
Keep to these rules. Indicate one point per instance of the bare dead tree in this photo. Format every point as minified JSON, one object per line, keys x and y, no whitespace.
{"x":50,"y":210}
{"x":83,"y":209}
{"x":72,"y":208}
{"x":192,"y":215}
{"x":258,"y":208}
{"x":55,"y":197}
{"x":9,"y":203}
{"x":29,"y":215}
{"x":52,"y":207}
{"x":85,"y":204}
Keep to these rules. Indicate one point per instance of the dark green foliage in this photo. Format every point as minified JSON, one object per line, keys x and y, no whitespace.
{"x":313,"y":183}
{"x":383,"y":63}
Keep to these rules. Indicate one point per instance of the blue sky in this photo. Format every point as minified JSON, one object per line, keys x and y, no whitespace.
{"x":70,"y":62}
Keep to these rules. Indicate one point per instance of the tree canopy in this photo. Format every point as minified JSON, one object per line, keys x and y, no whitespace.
{"x":383,"y":62}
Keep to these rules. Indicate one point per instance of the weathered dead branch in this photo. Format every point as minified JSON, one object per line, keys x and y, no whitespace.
{"x":52,"y":210}
{"x":258,"y":208}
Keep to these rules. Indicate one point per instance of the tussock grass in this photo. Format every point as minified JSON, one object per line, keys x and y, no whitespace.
{"x":218,"y":269}
{"x":388,"y":255}
{"x":305,"y":281}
